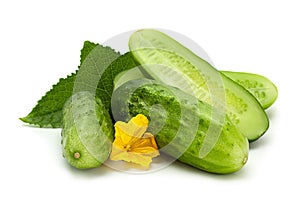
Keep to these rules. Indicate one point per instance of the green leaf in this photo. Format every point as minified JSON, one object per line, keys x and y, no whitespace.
{"x":106,"y":84}
{"x":100,"y":81}
{"x":87,"y":48}
{"x":48,"y":111}
{"x":98,"y":68}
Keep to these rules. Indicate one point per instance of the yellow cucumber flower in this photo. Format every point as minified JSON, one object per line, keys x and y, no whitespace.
{"x":132,"y":143}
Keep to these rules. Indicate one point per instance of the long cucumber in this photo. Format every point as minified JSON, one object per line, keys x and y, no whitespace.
{"x":166,"y":60}
{"x":181,"y":124}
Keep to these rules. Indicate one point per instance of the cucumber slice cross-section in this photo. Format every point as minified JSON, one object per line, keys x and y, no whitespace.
{"x":259,"y":86}
{"x":168,"y":61}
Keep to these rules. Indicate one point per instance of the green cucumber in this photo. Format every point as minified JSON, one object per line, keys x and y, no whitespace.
{"x":259,"y":86}
{"x":166,"y":60}
{"x":131,"y":74}
{"x":87,"y":131}
{"x":180,"y":123}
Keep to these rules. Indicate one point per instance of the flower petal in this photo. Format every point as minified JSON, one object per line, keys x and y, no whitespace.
{"x":140,"y":120}
{"x":139,"y":125}
{"x":131,"y":128}
{"x":140,"y":159}
{"x":116,"y":153}
{"x":132,"y":144}
{"x":121,"y":133}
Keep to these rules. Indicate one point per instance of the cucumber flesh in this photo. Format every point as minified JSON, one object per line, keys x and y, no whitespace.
{"x":259,"y":86}
{"x":166,"y":60}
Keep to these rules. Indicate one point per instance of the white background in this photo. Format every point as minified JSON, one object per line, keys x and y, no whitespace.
{"x":41,"y":41}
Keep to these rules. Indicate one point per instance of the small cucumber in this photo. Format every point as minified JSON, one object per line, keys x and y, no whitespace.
{"x":259,"y":86}
{"x":87,"y":131}
{"x":180,"y":123}
{"x":166,"y":60}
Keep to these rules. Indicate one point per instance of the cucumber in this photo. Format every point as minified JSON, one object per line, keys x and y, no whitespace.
{"x":166,"y":60}
{"x":259,"y":86}
{"x":180,"y":123}
{"x":87,"y":131}
{"x":131,"y":74}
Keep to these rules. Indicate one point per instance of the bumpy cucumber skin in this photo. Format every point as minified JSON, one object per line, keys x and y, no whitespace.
{"x":152,"y":48}
{"x":87,"y":131}
{"x":228,"y":155}
{"x":259,"y":86}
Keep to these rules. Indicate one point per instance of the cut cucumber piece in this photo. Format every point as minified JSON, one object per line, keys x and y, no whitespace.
{"x":259,"y":86}
{"x":166,"y":60}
